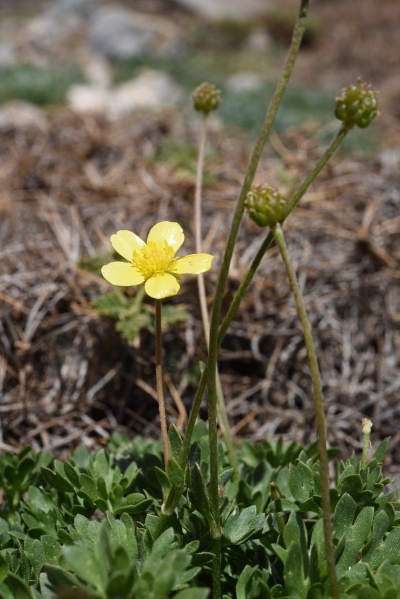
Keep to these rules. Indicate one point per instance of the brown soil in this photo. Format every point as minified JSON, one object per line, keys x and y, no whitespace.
{"x":66,"y":377}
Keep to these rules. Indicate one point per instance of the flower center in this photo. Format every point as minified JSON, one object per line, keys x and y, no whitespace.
{"x":153,"y":258}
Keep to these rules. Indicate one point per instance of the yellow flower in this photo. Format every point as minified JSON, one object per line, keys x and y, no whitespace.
{"x":153,"y":263}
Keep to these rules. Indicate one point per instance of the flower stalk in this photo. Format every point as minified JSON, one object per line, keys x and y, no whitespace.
{"x":319,"y":408}
{"x":223,"y":275}
{"x":221,"y":408}
{"x":160,"y":386}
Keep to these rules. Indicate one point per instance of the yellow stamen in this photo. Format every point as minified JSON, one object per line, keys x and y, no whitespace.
{"x":153,"y":258}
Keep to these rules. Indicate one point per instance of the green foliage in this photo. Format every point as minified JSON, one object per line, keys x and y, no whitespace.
{"x":182,"y":159}
{"x":37,"y":85}
{"x":132,"y":314}
{"x":113,"y":524}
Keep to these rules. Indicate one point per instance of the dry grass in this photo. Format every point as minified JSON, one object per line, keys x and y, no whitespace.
{"x":65,"y":375}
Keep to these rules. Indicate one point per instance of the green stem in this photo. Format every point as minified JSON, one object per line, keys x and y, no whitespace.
{"x":245,"y":284}
{"x":198,"y":227}
{"x":223,"y":275}
{"x":198,"y":398}
{"x":319,"y":409}
{"x":160,"y":385}
{"x":221,"y":408}
{"x":298,"y":194}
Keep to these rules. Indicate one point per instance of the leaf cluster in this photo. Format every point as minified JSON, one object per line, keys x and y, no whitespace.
{"x":112,"y":524}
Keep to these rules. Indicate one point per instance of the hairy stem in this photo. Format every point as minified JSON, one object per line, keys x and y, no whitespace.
{"x":319,"y":408}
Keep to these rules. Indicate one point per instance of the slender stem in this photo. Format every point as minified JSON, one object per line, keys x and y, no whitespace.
{"x":221,"y":408}
{"x":216,"y":567}
{"x":198,"y":227}
{"x":160,"y":385}
{"x":245,"y":284}
{"x":230,"y":245}
{"x":298,"y":194}
{"x":198,"y":398}
{"x":319,"y":408}
{"x":243,"y":287}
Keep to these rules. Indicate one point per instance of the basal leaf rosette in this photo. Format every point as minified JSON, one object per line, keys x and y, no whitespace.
{"x":154,"y":263}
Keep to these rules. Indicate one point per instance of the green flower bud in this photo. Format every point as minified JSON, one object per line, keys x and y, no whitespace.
{"x":265,"y":206}
{"x":356,"y":105}
{"x":206,"y":98}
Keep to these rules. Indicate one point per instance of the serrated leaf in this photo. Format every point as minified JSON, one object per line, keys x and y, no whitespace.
{"x":123,"y":531}
{"x":381,"y":451}
{"x":198,"y":496}
{"x":35,"y":553}
{"x":344,"y":515}
{"x":296,"y":584}
{"x":176,"y":476}
{"x":55,"y":480}
{"x":84,"y":565}
{"x":355,"y":538}
{"x":17,"y":587}
{"x":295,"y":532}
{"x":240,"y":525}
{"x":225,"y":476}
{"x":175,"y":441}
{"x":71,"y":474}
{"x":382,"y":547}
{"x":57,"y":579}
{"x":300,"y":481}
{"x":351,"y":484}
{"x":88,"y":487}
{"x":100,"y":465}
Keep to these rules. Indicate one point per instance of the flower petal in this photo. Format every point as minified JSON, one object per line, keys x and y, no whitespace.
{"x":161,"y":285}
{"x":167,"y":231}
{"x":125,"y":243}
{"x":193,"y":264}
{"x":122,"y":274}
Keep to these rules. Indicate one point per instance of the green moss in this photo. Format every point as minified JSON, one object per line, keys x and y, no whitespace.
{"x":37,"y":85}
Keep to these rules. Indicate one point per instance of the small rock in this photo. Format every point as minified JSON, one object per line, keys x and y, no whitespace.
{"x":8,"y":56}
{"x":150,"y":90}
{"x":88,"y":98}
{"x":96,"y":69}
{"x":118,"y":33}
{"x":22,"y":115}
{"x":49,"y":30}
{"x":258,"y":41}
{"x":245,"y":82}
{"x":390,"y":160}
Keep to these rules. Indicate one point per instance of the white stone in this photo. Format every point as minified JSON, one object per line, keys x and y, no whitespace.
{"x":22,"y":115}
{"x":245,"y":82}
{"x":88,"y":98}
{"x":150,"y":90}
{"x":117,"y":33}
{"x":8,"y":56}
